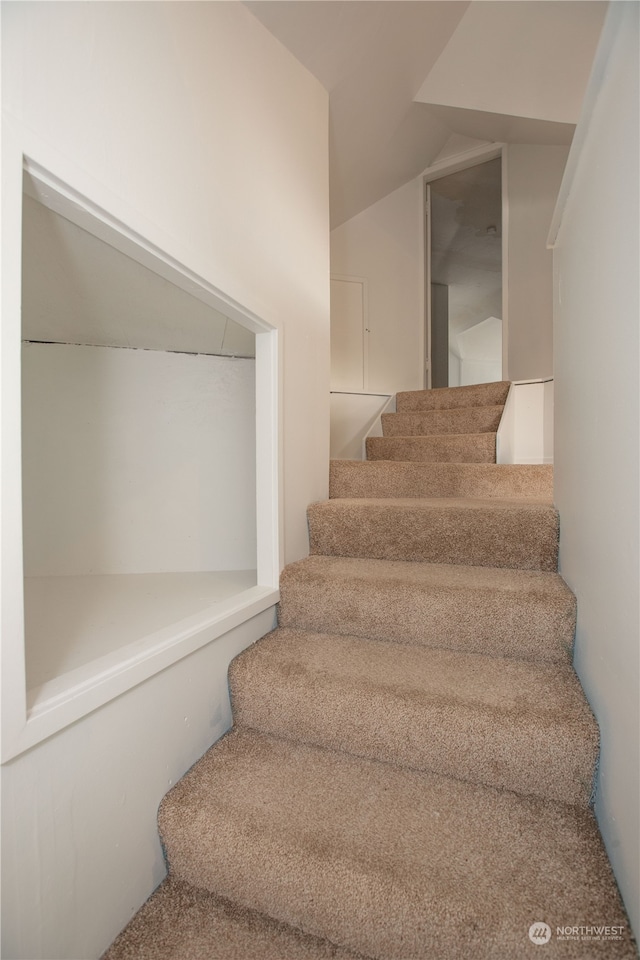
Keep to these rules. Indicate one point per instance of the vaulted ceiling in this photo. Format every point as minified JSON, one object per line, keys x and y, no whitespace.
{"x":405,"y":76}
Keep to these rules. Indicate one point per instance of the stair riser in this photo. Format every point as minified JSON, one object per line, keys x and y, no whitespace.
{"x":550,"y":756}
{"x":501,"y":624}
{"x":473,"y":420}
{"x":515,"y":538}
{"x":470,"y":448}
{"x":352,"y":478}
{"x":448,"y":398}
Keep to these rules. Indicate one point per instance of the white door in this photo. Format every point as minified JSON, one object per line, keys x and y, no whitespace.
{"x":349,"y":335}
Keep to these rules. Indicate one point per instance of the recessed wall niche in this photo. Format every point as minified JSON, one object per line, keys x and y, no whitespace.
{"x":138,"y":455}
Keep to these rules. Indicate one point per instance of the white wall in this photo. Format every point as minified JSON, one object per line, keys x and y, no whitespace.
{"x":525,"y":434}
{"x":80,"y":847}
{"x":384,"y":245}
{"x":480,"y":351}
{"x":597,"y":427}
{"x":518,"y":37}
{"x":203,"y":140}
{"x":193,"y":126}
{"x":137,"y":461}
{"x":532,"y":176}
{"x":354,"y":417}
{"x":79,"y":289}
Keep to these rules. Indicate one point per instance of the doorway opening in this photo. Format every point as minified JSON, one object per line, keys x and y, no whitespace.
{"x":464,"y":276}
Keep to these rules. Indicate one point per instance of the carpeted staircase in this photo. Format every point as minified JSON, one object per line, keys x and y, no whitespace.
{"x":410,"y":771}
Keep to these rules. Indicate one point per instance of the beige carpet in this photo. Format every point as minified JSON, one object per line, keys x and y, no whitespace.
{"x":183,"y":922}
{"x":471,"y":397}
{"x":428,"y":422}
{"x":410,"y":772}
{"x":443,"y":448}
{"x":380,"y":478}
{"x":382,"y":859}
{"x":526,"y":614}
{"x":468,"y":716}
{"x":493,"y":533}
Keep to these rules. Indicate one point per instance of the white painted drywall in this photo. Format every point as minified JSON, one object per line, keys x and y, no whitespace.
{"x":532,"y":176}
{"x":479,"y":371}
{"x":80,"y":845}
{"x":372,"y":58}
{"x":353,"y":415}
{"x":78,"y":289}
{"x":385,"y":245}
{"x":480,"y":352}
{"x":193,"y":126}
{"x":482,"y":341}
{"x":596,"y":263}
{"x":137,"y":461}
{"x":525,"y":434}
{"x":454,"y":369}
{"x":171,"y":150}
{"x":518,"y":38}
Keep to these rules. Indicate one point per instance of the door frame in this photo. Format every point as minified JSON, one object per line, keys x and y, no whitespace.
{"x":438,"y":170}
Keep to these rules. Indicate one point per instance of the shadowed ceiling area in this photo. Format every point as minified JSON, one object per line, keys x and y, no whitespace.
{"x":405,"y":76}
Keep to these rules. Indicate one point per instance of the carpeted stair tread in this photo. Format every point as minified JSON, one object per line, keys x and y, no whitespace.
{"x":384,"y":478}
{"x":467,"y":716}
{"x":432,"y":422}
{"x":516,"y":613}
{"x":386,"y":861}
{"x":440,"y":448}
{"x":183,"y":922}
{"x":481,"y":532}
{"x":409,"y":775}
{"x":448,"y":398}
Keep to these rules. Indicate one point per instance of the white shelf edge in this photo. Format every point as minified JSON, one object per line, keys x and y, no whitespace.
{"x":73,"y":695}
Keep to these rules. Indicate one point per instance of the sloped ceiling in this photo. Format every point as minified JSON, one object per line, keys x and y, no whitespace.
{"x":78,"y":289}
{"x":526,"y":59}
{"x":405,"y":75}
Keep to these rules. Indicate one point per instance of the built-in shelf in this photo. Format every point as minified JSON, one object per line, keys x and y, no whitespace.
{"x":126,"y":630}
{"x":149,"y":464}
{"x":83,"y":619}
